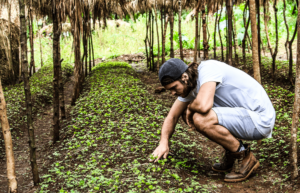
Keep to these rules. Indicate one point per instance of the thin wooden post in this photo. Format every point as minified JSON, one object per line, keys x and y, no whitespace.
{"x":255,"y":56}
{"x":196,"y":29}
{"x":164,"y":38}
{"x":24,"y":62}
{"x":258,"y":31}
{"x":296,"y":109}
{"x":32,"y":64}
{"x":220,"y":35}
{"x":10,"y":63}
{"x":246,"y":24}
{"x":204,"y":27}
{"x":10,"y":160}
{"x":157,"y":31}
{"x":56,"y":63}
{"x":179,"y":30}
{"x":229,"y":31}
{"x":215,"y":31}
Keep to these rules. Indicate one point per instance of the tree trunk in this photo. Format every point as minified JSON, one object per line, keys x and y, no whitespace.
{"x":61,"y":91}
{"x":215,"y":31}
{"x":220,"y":35}
{"x":236,"y":56}
{"x":208,"y":34}
{"x":226,"y":36}
{"x":164,"y":39}
{"x":10,"y":63}
{"x":152,"y":42}
{"x":93,"y":50}
{"x":179,"y":30}
{"x":10,"y":160}
{"x":61,"y":84}
{"x":199,"y":35}
{"x":162,"y":17}
{"x":79,"y":78}
{"x":84,"y":41}
{"x":41,"y":50}
{"x":291,"y":56}
{"x":90,"y":56}
{"x":157,"y":31}
{"x":31,"y":141}
{"x":287,"y":30}
{"x":196,"y":36}
{"x":89,"y":41}
{"x":257,"y":3}
{"x":196,"y":30}
{"x":171,"y":34}
{"x":229,"y":12}
{"x":296,"y":109}
{"x":276,"y":45}
{"x":56,"y":64}
{"x":146,"y":41}
{"x":32,"y":65}
{"x":266,"y":25}
{"x":255,"y":56}
{"x":204,"y":27}
{"x":246,"y":32}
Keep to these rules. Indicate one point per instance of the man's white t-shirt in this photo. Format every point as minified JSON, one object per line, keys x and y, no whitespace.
{"x":236,"y":89}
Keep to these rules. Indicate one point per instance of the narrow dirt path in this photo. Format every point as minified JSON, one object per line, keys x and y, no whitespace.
{"x":43,"y":129}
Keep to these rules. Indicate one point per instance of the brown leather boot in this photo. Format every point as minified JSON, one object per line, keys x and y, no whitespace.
{"x":226,"y":163}
{"x":244,"y":164}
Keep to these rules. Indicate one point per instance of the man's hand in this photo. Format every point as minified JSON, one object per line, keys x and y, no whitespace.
{"x":161,"y":150}
{"x":189,"y":118}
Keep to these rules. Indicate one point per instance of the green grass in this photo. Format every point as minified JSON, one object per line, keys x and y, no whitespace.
{"x":112,"y":65}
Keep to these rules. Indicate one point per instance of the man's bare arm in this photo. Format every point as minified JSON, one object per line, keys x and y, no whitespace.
{"x":205,"y":98}
{"x":203,"y":102}
{"x":168,"y":129}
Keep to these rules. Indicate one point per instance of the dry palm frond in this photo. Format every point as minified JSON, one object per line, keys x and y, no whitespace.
{"x":102,"y":9}
{"x":4,"y":33}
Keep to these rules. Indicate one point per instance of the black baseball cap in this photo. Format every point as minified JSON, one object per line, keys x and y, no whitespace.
{"x":172,"y":68}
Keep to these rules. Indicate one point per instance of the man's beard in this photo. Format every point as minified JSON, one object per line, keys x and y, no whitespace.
{"x":186,"y":91}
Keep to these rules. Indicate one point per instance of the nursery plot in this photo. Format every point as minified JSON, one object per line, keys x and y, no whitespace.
{"x":115,"y":126}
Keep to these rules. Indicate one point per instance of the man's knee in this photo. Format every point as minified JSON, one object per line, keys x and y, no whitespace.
{"x":201,"y":123}
{"x":204,"y":122}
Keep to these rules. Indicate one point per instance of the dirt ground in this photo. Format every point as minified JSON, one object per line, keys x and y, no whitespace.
{"x":261,"y":181}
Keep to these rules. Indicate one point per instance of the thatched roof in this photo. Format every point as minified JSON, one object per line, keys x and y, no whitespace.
{"x":4,"y":34}
{"x":14,"y":11}
{"x":103,"y":8}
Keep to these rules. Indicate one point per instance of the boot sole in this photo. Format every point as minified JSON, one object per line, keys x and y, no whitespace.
{"x":220,"y":170}
{"x":242,"y":179}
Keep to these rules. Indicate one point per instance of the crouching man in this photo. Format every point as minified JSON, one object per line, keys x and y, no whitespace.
{"x":223,"y":103}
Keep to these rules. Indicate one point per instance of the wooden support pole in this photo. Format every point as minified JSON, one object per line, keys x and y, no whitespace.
{"x":24,"y":62}
{"x":255,"y":56}
{"x":229,"y":31}
{"x":296,"y":109}
{"x":179,"y":29}
{"x":10,"y":160}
